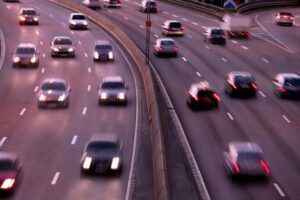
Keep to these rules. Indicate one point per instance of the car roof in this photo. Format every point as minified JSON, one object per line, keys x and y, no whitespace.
{"x":171,"y":21}
{"x":164,"y":39}
{"x":288,"y":75}
{"x":4,"y":155}
{"x":27,"y":9}
{"x":102,"y":42}
{"x":57,"y":80}
{"x":62,"y":37}
{"x":27,"y":45}
{"x":104,"y":137}
{"x":245,"y":147}
{"x":239,"y":73}
{"x":113,"y":79}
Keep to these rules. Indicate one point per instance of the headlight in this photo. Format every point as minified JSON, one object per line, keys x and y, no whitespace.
{"x":42,"y":97}
{"x":22,"y":18}
{"x":110,"y":55}
{"x":73,"y":23}
{"x":87,"y":163}
{"x":115,"y":163}
{"x":121,"y":95}
{"x":70,"y":50}
{"x":16,"y":59}
{"x":33,"y":59}
{"x":96,"y":55}
{"x":62,"y":97}
{"x":55,"y":48}
{"x":85,"y":23}
{"x":8,"y":183}
{"x":103,"y":96}
{"x":36,"y":19}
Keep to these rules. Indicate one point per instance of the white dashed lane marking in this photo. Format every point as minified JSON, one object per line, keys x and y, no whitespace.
{"x":50,"y":15}
{"x":89,"y":88}
{"x":55,"y":178}
{"x":2,"y":141}
{"x":204,"y":27}
{"x":265,"y":60}
{"x":141,"y":26}
{"x":279,"y":190}
{"x":43,"y":70}
{"x":41,"y":42}
{"x":195,"y":23}
{"x":72,"y":32}
{"x":89,"y":70}
{"x":224,"y":60}
{"x":22,"y":111}
{"x":184,"y":19}
{"x":109,"y":11}
{"x":174,"y":16}
{"x":233,"y":41}
{"x":86,"y":55}
{"x":198,"y":74}
{"x":230,"y":116}
{"x":84,"y":111}
{"x":74,"y":140}
{"x":155,"y":35}
{"x":286,"y":119}
{"x":37,"y":33}
{"x":190,"y":36}
{"x":79,"y":42}
{"x":165,"y":13}
{"x":184,"y":59}
{"x":244,"y":47}
{"x":206,"y":46}
{"x":126,"y":18}
{"x":262,"y":94}
{"x":36,"y":89}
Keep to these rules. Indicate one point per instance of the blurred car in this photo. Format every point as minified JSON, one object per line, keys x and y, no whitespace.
{"x":246,"y":159}
{"x":53,"y":92}
{"x":215,"y":35}
{"x":28,"y":16}
{"x":103,"y":51}
{"x":102,"y":154}
{"x":287,"y":85}
{"x":26,"y":55}
{"x":165,"y":46}
{"x":112,"y":3}
{"x":62,"y":46}
{"x":10,"y":171}
{"x":112,"y":90}
{"x":200,"y":95}
{"x":78,"y":21}
{"x":172,"y":27}
{"x":17,"y":1}
{"x":94,"y":4}
{"x":240,"y":83}
{"x":284,"y":18}
{"x":148,"y":6}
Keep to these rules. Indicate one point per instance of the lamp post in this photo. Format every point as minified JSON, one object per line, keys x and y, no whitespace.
{"x":148,"y":26}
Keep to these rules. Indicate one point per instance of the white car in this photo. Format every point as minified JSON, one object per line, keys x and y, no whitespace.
{"x":284,"y":18}
{"x":172,"y":27}
{"x":165,"y":46}
{"x":78,"y":21}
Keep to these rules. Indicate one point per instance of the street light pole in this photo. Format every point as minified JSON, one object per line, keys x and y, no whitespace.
{"x":148,"y":26}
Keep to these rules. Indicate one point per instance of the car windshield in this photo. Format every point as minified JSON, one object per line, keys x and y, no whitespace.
{"x":24,"y":50}
{"x":286,"y":14}
{"x":175,"y":25}
{"x":205,"y":93}
{"x":29,"y":12}
{"x":103,"y":47}
{"x":7,"y":165}
{"x":94,"y":1}
{"x":63,"y":41}
{"x":247,"y":156}
{"x":243,"y":79}
{"x":151,"y":3}
{"x":292,"y":82}
{"x":102,"y":146}
{"x":217,"y":32}
{"x":54,"y":86}
{"x":78,"y":17}
{"x":167,"y":42}
{"x":112,"y":85}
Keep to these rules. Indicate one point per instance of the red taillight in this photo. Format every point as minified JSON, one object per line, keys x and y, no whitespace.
{"x":265,"y":166}
{"x":254,"y":85}
{"x":216,"y":97}
{"x":236,"y":166}
{"x":175,"y":48}
{"x":232,"y":33}
{"x":282,"y":89}
{"x":159,"y":49}
{"x":210,"y":37}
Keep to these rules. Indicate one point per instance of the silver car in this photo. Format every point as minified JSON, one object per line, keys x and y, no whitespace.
{"x":53,"y":92}
{"x":113,"y":90}
{"x":62,"y":46}
{"x":26,"y":55}
{"x":165,"y":46}
{"x":78,"y":21}
{"x":287,"y":85}
{"x":284,"y":18}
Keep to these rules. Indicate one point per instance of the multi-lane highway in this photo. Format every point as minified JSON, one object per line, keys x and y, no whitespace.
{"x":50,"y":141}
{"x":271,"y":122}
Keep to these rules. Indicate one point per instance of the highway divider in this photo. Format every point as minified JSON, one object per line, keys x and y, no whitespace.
{"x":158,"y":150}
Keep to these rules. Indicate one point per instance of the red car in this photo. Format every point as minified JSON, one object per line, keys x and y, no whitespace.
{"x":10,"y":170}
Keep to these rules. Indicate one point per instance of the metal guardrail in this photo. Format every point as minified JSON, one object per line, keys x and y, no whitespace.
{"x":265,"y":3}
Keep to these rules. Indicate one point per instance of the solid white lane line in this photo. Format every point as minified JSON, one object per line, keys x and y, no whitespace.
{"x":233,"y":41}
{"x":89,"y":70}
{"x":74,"y":139}
{"x":89,"y":88}
{"x":224,"y":60}
{"x":174,"y":16}
{"x":190,"y":36}
{"x":244,"y":47}
{"x":286,"y":119}
{"x":198,"y":74}
{"x":85,"y":54}
{"x":44,"y":55}
{"x":37,"y":33}
{"x":36,"y":89}
{"x":206,"y":46}
{"x":279,"y":190}
{"x":84,"y":111}
{"x":155,"y":35}
{"x":265,"y":60}
{"x":22,"y":111}
{"x":195,"y":23}
{"x":55,"y":178}
{"x":262,"y":94}
{"x":184,"y":19}
{"x":126,"y":18}
{"x":184,"y":59}
{"x":2,"y":141}
{"x":43,"y":70}
{"x":230,"y":116}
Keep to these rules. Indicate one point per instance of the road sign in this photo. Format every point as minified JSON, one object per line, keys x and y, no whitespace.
{"x":229,"y":4}
{"x":148,"y":23}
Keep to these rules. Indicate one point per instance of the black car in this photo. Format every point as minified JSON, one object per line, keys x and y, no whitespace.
{"x":103,"y":51}
{"x":26,"y":55}
{"x":28,"y":16}
{"x":200,"y":96}
{"x":240,"y":84}
{"x":102,"y":154}
{"x":215,"y":35}
{"x":53,"y":92}
{"x":287,"y":85}
{"x":148,"y":6}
